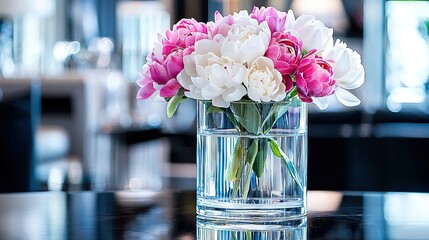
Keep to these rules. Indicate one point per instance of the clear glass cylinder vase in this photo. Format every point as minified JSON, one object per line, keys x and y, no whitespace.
{"x":252,"y":161}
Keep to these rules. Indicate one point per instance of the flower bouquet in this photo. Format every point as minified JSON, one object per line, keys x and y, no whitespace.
{"x":252,"y":68}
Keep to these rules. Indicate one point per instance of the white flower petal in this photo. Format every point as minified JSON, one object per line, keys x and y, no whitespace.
{"x":217,"y":74}
{"x":184,"y":79}
{"x":194,"y":93}
{"x":211,"y":91}
{"x":346,"y":98}
{"x":282,"y":95}
{"x":220,"y":102}
{"x":200,"y":82}
{"x":290,"y":20}
{"x":347,"y":67}
{"x":201,"y":71}
{"x":239,"y":76}
{"x":313,"y":33}
{"x":252,"y":49}
{"x":229,"y":49}
{"x":157,"y":50}
{"x":204,"y":46}
{"x":263,"y":62}
{"x":321,"y":102}
{"x":189,"y":64}
{"x":211,"y":59}
{"x":352,"y":80}
{"x":234,"y":93}
{"x":342,"y":63}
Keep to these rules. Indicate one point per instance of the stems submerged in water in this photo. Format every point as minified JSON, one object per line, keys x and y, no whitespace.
{"x":250,"y":154}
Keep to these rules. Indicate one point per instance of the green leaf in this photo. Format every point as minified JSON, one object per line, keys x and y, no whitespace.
{"x":233,"y":120}
{"x":214,"y":109}
{"x":251,"y":155}
{"x":253,"y":150}
{"x":276,"y":111}
{"x":259,"y":165}
{"x":248,"y":115}
{"x":293,"y":93}
{"x":289,"y":164}
{"x":174,"y":103}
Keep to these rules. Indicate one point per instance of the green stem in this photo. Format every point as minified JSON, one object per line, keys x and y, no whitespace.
{"x":234,"y":164}
{"x":237,"y":182}
{"x":235,"y":173}
{"x":251,"y":156}
{"x":261,"y":157}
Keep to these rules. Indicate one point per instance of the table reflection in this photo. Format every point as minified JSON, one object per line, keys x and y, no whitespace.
{"x":224,"y":230}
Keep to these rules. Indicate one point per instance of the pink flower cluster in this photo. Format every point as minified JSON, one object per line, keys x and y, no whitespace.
{"x":313,"y":75}
{"x":304,"y":71}
{"x":166,"y":60}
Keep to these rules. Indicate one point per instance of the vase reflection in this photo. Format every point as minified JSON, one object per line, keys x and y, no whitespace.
{"x":226,"y":230}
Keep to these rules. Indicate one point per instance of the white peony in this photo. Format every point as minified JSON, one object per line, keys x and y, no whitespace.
{"x":264,"y":83}
{"x":246,"y":39}
{"x":207,"y":76}
{"x":313,"y":33}
{"x":348,"y":72}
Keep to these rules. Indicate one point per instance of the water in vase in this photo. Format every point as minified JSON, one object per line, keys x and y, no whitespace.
{"x":273,"y":194}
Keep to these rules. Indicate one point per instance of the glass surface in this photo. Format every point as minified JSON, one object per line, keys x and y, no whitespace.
{"x":171,"y":215}
{"x":261,"y":187}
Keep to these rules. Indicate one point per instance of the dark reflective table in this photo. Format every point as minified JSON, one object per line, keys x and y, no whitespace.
{"x":171,"y":215}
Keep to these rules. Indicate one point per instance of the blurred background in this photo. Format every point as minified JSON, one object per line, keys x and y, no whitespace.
{"x":69,"y":119}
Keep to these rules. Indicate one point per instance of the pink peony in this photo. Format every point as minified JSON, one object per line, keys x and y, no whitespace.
{"x":183,"y":35}
{"x":166,"y":60}
{"x":275,"y":19}
{"x":285,"y":52}
{"x":161,"y":75}
{"x":314,"y":78}
{"x":221,"y":25}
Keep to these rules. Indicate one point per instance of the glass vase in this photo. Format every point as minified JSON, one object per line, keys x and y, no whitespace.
{"x":252,"y":161}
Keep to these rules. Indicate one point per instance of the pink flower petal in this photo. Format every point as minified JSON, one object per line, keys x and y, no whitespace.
{"x":188,"y":50}
{"x":158,"y":73}
{"x":287,"y":80}
{"x":272,"y":23}
{"x":315,"y":86}
{"x":305,"y":98}
{"x":170,"y":89}
{"x":143,"y":81}
{"x":273,"y":52}
{"x":168,"y":48}
{"x":218,"y":16}
{"x":301,"y":84}
{"x":145,"y":92}
{"x":174,"y":65}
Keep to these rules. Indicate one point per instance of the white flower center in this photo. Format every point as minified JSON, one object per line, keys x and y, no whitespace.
{"x":263,"y":81}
